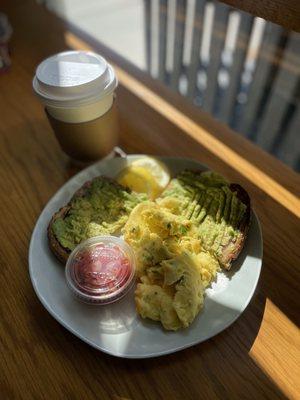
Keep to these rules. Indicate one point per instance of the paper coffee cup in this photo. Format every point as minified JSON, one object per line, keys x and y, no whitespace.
{"x":77,"y":90}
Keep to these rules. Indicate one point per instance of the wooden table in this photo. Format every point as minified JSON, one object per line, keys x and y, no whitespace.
{"x":257,"y":357}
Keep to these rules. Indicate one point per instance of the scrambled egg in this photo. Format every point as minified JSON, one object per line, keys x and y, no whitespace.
{"x":172,"y":267}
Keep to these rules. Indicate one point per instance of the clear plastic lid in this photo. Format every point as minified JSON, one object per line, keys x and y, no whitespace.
{"x":101,"y":270}
{"x":74,"y":78}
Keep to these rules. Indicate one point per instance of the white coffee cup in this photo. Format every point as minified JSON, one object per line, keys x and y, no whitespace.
{"x":77,"y":90}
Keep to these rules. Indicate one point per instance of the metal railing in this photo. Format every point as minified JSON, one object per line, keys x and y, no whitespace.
{"x":242,"y":69}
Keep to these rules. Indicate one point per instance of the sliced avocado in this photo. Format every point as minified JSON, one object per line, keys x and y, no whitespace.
{"x":212,"y":179}
{"x":196,"y":210}
{"x":209,"y":229}
{"x":234,"y":217}
{"x":215,"y":204}
{"x":194,"y":204}
{"x":224,"y":215}
{"x":189,"y":206}
{"x":200,"y":204}
{"x":208,"y":199}
{"x":215,"y":210}
{"x":222,"y":203}
{"x":240,"y":215}
{"x":234,"y":209}
{"x":178,"y":190}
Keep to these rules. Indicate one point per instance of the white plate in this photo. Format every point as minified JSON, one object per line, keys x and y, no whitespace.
{"x":116,"y":329}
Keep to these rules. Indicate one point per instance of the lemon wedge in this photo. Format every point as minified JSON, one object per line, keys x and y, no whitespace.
{"x":145,"y":175}
{"x":156,"y":168}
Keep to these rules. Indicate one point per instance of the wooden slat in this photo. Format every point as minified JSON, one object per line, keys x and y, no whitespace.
{"x":154,"y":38}
{"x":282,"y":12}
{"x":196,"y":42}
{"x":162,"y":45}
{"x":170,"y":36}
{"x":188,"y":31}
{"x":281,"y":94}
{"x":187,"y":45}
{"x":271,"y":39}
{"x":236,"y":70}
{"x":289,"y":150}
{"x":147,"y":18}
{"x":178,"y":45}
{"x":216,"y":47}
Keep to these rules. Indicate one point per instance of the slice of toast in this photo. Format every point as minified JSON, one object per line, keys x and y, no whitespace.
{"x":61,"y":253}
{"x":220,"y":211}
{"x":231,"y":251}
{"x":108,"y":206}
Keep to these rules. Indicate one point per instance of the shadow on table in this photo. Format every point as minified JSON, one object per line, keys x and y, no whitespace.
{"x":224,"y":358}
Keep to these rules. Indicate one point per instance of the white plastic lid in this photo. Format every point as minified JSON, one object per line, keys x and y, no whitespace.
{"x":74,"y":78}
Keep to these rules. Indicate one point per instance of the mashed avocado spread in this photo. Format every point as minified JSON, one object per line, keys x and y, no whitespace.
{"x":207,"y":201}
{"x":103,"y":210}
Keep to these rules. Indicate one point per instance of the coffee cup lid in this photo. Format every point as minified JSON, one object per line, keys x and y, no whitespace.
{"x":74,"y":78}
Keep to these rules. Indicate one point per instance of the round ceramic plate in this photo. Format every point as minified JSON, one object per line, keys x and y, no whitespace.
{"x":117,"y":329}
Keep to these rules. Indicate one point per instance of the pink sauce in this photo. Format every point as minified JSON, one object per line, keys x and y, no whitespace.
{"x":101,"y":269}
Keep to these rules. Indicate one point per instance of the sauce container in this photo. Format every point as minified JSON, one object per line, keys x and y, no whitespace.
{"x":101,"y":270}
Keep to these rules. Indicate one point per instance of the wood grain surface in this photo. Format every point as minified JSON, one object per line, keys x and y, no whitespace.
{"x":257,"y":357}
{"x":281,"y":12}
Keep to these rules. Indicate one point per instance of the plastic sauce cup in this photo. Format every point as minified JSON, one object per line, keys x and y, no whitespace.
{"x":101,"y":270}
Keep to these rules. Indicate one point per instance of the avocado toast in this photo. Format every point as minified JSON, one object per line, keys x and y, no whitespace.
{"x":100,"y":207}
{"x":219,"y":210}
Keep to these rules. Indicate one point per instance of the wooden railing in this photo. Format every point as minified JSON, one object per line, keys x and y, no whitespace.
{"x":240,"y":68}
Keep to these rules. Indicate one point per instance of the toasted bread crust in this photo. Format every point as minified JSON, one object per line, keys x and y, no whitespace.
{"x":231,"y":253}
{"x":61,"y":253}
{"x":57,"y":249}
